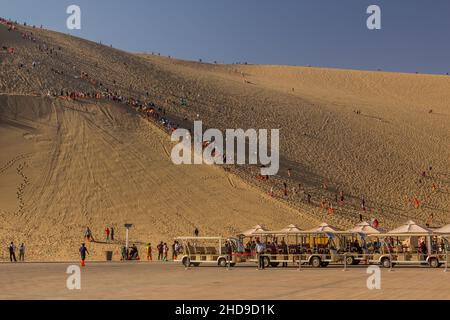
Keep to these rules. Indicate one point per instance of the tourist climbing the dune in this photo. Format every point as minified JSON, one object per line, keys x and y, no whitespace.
{"x":88,"y":235}
{"x":434,"y":187}
{"x":271,"y":192}
{"x":323,"y":203}
{"x":341,"y":198}
{"x":416,"y":202}
{"x":107,"y":233}
{"x":430,"y":220}
{"x":330,"y":209}
{"x":363,"y":203}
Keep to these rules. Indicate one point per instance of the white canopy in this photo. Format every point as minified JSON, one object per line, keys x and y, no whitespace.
{"x":410,"y":227}
{"x":291,"y":228}
{"x":365,"y":228}
{"x":254,"y":229}
{"x":444,"y":229}
{"x":324,"y":227}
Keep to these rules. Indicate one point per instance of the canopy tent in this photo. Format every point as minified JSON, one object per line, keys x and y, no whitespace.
{"x":292,"y":228}
{"x":444,"y":229}
{"x":255,"y":229}
{"x":364,"y":228}
{"x":324,"y":227}
{"x":409,"y":227}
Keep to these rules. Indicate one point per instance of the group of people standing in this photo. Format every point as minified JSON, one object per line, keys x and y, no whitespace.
{"x":109,"y":234}
{"x":163,"y":251}
{"x":12,"y":252}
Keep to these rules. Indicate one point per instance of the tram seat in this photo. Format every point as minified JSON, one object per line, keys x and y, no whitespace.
{"x":191,"y":250}
{"x":415,"y":257}
{"x":212,"y":250}
{"x":403,"y":257}
{"x":201,"y":250}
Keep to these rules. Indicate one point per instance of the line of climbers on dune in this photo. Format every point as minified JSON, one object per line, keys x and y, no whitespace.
{"x":283,"y":189}
{"x":148,"y":109}
{"x":12,"y":28}
{"x":334,"y":199}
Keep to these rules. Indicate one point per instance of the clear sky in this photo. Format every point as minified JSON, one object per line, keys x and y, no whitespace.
{"x":415,"y":34}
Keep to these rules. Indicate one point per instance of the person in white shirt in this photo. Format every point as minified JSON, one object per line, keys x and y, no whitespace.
{"x":260,"y":248}
{"x":22,"y":252}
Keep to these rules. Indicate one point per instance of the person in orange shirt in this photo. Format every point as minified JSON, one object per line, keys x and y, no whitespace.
{"x":330,"y":209}
{"x":416,"y":203}
{"x":148,"y":248}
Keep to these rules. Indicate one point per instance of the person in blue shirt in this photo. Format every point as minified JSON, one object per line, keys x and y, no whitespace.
{"x":83,"y":251}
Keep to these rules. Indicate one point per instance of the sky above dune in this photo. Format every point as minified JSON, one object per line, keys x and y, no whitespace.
{"x":414,"y":35}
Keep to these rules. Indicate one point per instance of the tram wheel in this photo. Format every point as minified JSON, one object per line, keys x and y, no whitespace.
{"x":222,"y":262}
{"x":434,"y":263}
{"x":186,"y":262}
{"x":350,"y":260}
{"x":274,"y":264}
{"x":315,"y":262}
{"x":386,"y":263}
{"x":266,"y":262}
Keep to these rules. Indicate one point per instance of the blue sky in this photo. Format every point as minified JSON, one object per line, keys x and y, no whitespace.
{"x":415,"y":34}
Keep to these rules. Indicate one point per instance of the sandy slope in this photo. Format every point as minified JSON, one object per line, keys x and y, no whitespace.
{"x":97,"y":166}
{"x":78,"y":164}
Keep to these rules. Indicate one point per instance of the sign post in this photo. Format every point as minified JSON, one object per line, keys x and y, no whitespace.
{"x":127,"y":226}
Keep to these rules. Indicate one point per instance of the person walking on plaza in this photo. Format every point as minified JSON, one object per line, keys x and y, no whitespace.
{"x":124,"y":254}
{"x":148,"y":249}
{"x":12,"y":252}
{"x":88,"y":235}
{"x":260,"y":254}
{"x":174,"y":250}
{"x":83,"y":251}
{"x":22,"y":252}
{"x":160,"y":250}
{"x":165,"y":251}
{"x":228,"y":252}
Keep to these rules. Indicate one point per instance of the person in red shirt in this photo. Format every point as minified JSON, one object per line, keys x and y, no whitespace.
{"x":107,"y":233}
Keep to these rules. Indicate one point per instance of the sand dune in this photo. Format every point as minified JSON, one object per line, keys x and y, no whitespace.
{"x":65,"y":165}
{"x":94,"y":164}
